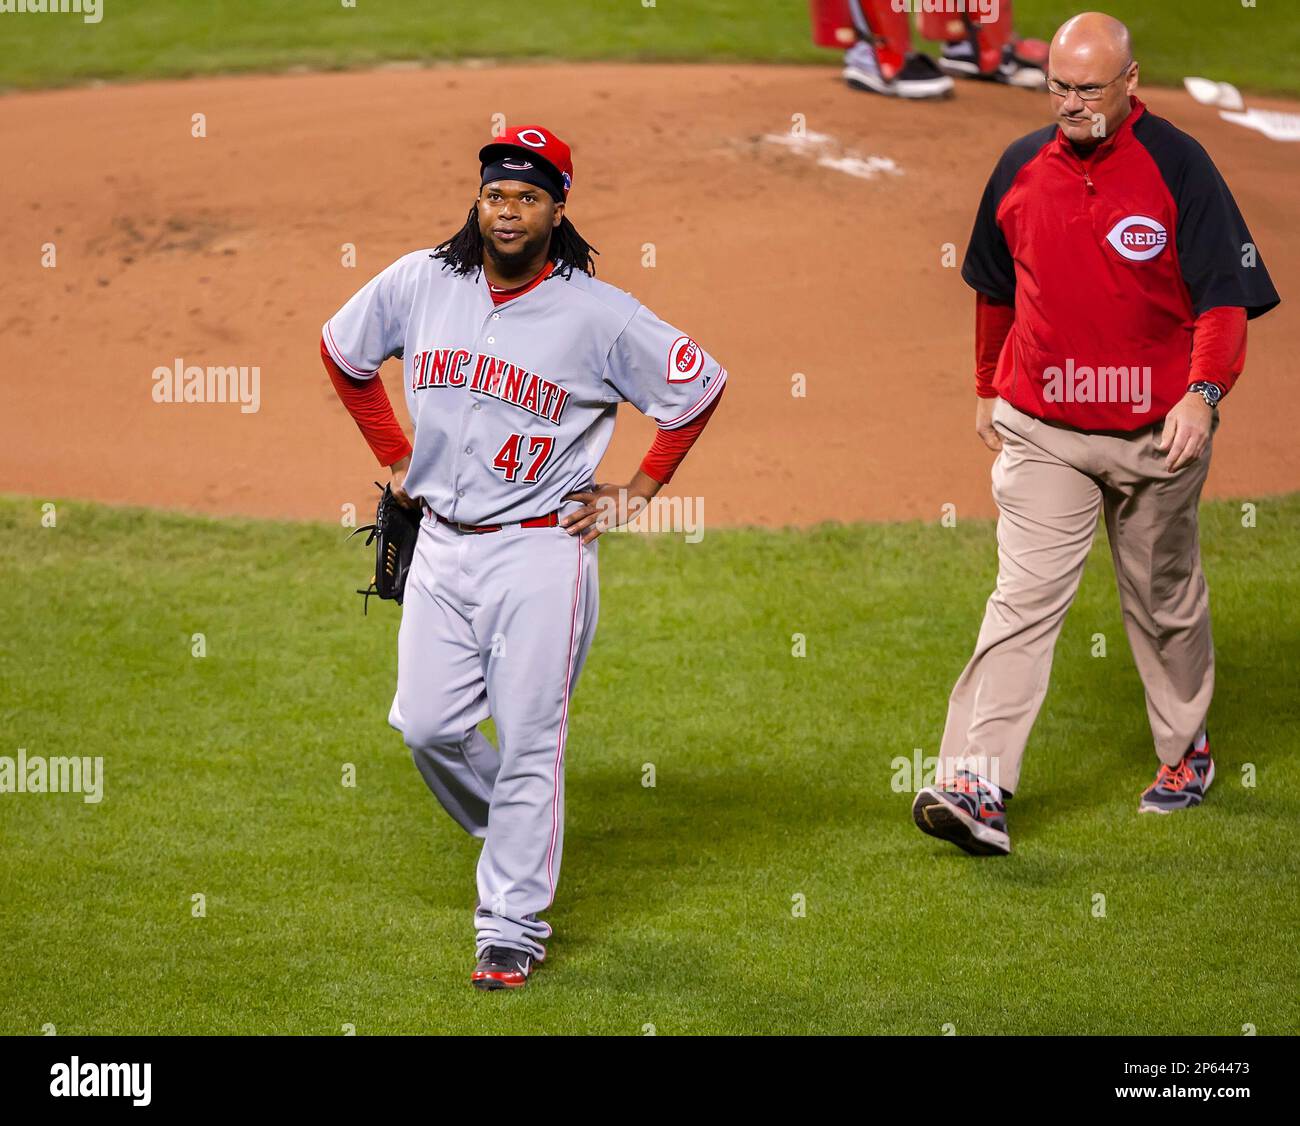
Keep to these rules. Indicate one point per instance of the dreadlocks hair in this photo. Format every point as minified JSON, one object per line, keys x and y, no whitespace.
{"x":463,"y":252}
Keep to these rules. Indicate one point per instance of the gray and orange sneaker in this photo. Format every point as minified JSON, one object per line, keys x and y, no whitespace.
{"x":502,"y":967}
{"x":966,"y":812}
{"x":1182,"y":786}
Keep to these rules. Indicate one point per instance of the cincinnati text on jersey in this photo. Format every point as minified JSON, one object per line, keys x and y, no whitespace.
{"x":490,"y":376}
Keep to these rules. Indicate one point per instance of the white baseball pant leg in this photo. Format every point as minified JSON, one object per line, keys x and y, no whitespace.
{"x":498,"y":623}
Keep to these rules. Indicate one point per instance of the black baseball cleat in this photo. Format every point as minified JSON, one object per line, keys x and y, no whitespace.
{"x":911,"y":76}
{"x":1023,"y":62}
{"x":1182,"y":786}
{"x":502,"y":967}
{"x":965,"y":813}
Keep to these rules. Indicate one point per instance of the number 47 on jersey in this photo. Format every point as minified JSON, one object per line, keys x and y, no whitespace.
{"x":510,"y":458}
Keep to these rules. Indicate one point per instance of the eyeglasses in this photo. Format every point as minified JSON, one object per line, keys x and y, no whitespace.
{"x":1086,"y":93}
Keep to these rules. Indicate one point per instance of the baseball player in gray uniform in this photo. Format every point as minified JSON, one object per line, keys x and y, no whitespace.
{"x":514,"y":361}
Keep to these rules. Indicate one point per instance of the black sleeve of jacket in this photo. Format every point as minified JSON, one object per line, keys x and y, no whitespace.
{"x":989,"y":267}
{"x":1220,"y":262}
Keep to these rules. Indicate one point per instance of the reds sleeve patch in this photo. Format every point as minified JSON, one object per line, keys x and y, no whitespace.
{"x":685,"y":360}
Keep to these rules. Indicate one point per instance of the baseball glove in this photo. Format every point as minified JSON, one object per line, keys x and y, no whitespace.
{"x":393,"y":533}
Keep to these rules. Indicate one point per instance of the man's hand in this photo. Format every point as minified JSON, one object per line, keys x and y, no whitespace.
{"x":1186,"y":431}
{"x":608,"y":506}
{"x":398,"y":470}
{"x":984,"y":423}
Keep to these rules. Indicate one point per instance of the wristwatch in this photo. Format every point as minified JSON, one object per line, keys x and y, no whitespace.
{"x":1210,"y":392}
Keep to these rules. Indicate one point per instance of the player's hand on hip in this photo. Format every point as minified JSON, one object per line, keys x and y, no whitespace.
{"x":608,"y":506}
{"x":1186,"y":431}
{"x":984,"y":423}
{"x":398,"y":470}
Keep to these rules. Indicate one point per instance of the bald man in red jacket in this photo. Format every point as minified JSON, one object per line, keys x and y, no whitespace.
{"x":1114,"y":277}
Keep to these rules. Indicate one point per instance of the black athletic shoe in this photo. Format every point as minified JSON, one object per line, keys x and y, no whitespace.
{"x":1182,"y":786}
{"x":964,"y":812}
{"x":1023,"y":62}
{"x":914,"y":76}
{"x":502,"y":967}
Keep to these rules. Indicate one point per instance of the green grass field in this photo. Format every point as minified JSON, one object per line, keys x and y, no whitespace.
{"x":328,"y":906}
{"x":1253,"y":47}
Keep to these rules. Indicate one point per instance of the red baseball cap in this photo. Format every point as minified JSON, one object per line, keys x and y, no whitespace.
{"x":536,"y":144}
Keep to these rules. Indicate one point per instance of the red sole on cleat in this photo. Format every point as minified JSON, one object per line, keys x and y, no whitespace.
{"x":486,"y":982}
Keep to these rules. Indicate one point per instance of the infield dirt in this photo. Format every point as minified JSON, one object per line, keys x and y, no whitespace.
{"x":824,"y":258}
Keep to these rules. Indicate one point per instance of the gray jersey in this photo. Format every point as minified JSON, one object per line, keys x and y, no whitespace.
{"x":513,"y":405}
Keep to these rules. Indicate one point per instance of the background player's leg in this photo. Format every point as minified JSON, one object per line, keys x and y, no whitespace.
{"x":877,"y":19}
{"x":977,"y":46}
{"x":1047,"y":518}
{"x":441,"y":696}
{"x":535,"y":621}
{"x":949,"y":27}
{"x":1151,"y":521}
{"x":882,"y":60}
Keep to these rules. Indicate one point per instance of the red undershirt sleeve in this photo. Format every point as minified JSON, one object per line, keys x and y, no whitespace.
{"x":993,"y":321}
{"x":1219,"y":346}
{"x":367,"y":403}
{"x":671,"y":446}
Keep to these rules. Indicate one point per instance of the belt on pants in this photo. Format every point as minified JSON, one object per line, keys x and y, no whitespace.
{"x":550,"y":520}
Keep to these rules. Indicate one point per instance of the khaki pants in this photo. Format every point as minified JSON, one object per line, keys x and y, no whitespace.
{"x":1050,"y":482}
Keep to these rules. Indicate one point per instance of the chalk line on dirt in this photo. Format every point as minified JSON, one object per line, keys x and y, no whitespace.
{"x":829,"y":153}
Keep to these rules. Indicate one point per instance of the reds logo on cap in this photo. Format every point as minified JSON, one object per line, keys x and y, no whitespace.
{"x":685,"y":360}
{"x":1138,"y":238}
{"x":537,"y":143}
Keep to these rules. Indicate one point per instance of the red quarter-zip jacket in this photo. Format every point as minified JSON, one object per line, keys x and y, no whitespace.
{"x":1109,"y":257}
